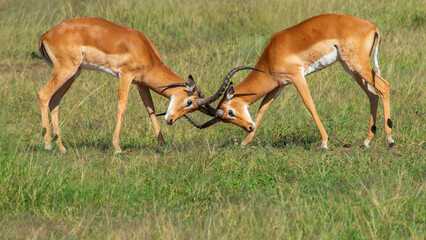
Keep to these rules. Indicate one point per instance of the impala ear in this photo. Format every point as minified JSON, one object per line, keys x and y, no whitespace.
{"x":190,"y":84}
{"x":230,"y":92}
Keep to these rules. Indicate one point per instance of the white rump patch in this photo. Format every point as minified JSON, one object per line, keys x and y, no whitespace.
{"x":376,"y":59}
{"x":92,"y":66}
{"x":321,"y":63}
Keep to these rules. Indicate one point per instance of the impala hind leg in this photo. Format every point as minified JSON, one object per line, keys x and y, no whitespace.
{"x":374,"y":100}
{"x":266,"y":102}
{"x":382,"y":88}
{"x":60,"y":77}
{"x":54,"y":108}
{"x":147,"y":101}
{"x":302,"y":87}
{"x":123,"y":94}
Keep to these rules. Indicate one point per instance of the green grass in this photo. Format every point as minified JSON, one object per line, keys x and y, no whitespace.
{"x":201,"y":185}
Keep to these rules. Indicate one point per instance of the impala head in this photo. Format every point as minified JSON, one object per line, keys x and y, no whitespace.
{"x":235,"y":111}
{"x":230,"y":109}
{"x":182,"y":101}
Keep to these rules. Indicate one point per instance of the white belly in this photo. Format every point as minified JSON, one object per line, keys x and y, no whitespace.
{"x":321,"y":63}
{"x":91,"y":66}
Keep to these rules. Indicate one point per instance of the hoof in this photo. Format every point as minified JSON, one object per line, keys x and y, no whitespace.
{"x":117,"y":153}
{"x":63,"y":149}
{"x":243,"y":143}
{"x":48,"y":147}
{"x":367,"y":143}
{"x":391,"y":144}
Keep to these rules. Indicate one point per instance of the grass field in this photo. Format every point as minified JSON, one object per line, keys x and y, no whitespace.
{"x":202,"y":184}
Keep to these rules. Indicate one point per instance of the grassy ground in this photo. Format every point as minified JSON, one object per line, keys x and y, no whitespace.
{"x":201,"y":184}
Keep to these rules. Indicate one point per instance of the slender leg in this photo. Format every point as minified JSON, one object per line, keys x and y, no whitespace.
{"x":266,"y":102}
{"x":359,"y":64}
{"x":54,"y":107}
{"x":147,"y":101}
{"x":60,"y":76}
{"x":123,"y":94}
{"x":301,"y":85}
{"x":382,"y":88}
{"x":374,"y":99}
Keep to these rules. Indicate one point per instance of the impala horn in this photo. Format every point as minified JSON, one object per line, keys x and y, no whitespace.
{"x":219,"y":92}
{"x":173,"y":85}
{"x":204,"y":125}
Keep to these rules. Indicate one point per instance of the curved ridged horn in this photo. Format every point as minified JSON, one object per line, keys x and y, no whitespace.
{"x":173,"y":85}
{"x":204,"y":125}
{"x":222,"y":87}
{"x":209,"y":110}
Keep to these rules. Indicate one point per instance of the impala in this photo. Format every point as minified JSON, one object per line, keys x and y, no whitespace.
{"x":298,"y":51}
{"x":125,"y":53}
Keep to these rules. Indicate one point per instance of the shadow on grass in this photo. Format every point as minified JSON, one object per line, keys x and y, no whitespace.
{"x":305,"y":141}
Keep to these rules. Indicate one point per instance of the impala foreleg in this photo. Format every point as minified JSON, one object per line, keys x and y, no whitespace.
{"x":123,"y":94}
{"x":266,"y":102}
{"x":147,"y":101}
{"x":302,"y":88}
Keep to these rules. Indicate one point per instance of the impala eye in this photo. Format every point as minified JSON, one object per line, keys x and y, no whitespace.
{"x":189,"y":103}
{"x":231,"y":113}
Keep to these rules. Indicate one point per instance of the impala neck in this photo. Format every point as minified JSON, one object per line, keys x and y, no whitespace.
{"x":254,"y":86}
{"x":161,"y":75}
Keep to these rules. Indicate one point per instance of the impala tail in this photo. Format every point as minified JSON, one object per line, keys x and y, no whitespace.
{"x":44,"y":54}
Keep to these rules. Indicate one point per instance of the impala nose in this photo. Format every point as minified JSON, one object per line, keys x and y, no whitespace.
{"x":251,"y":129}
{"x":168,"y":119}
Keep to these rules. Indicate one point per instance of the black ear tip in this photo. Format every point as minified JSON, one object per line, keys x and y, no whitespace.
{"x":190,"y":76}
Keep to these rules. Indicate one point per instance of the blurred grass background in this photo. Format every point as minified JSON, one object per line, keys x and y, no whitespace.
{"x":201,"y":185}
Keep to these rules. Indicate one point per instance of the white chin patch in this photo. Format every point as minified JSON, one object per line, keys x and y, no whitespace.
{"x":248,"y":114}
{"x":167,"y":117}
{"x":168,"y":108}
